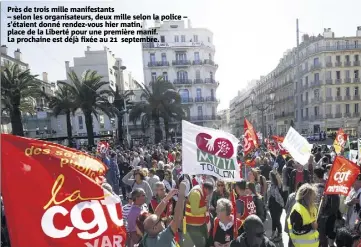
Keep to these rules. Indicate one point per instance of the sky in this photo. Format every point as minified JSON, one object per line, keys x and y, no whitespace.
{"x":250,"y":36}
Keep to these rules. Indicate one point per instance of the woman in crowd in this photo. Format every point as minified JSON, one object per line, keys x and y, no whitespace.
{"x":258,"y":200}
{"x":220,"y":192}
{"x":138,"y":181}
{"x":254,"y":176}
{"x":302,"y":222}
{"x":275,"y":205}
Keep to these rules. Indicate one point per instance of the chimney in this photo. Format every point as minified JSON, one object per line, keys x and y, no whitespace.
{"x":17,"y":55}
{"x":88,"y":48}
{"x":4,"y":49}
{"x":358,"y":33}
{"x":327,"y":33}
{"x":45,"y":77}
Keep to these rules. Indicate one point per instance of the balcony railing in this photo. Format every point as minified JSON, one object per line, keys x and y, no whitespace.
{"x":182,"y":82}
{"x":329,"y":64}
{"x":316,"y":66}
{"x":284,"y":115}
{"x":197,"y":62}
{"x":186,"y":100}
{"x":338,"y":115}
{"x":338,"y":64}
{"x":338,"y":98}
{"x":210,"y":62}
{"x":198,"y":99}
{"x":356,"y":97}
{"x":329,"y":98}
{"x":198,"y":81}
{"x":347,"y":80}
{"x":356,"y":114}
{"x":305,"y":118}
{"x":347,"y":63}
{"x":211,"y":99}
{"x":329,"y":115}
{"x":317,"y":117}
{"x":181,"y":62}
{"x":347,"y":114}
{"x":158,"y":64}
{"x":210,"y":81}
{"x":356,"y":79}
{"x":317,"y":100}
{"x":305,"y":86}
{"x":204,"y":118}
{"x":329,"y":81}
{"x":338,"y":81}
{"x":347,"y":97}
{"x":162,"y":45}
{"x":356,"y":63}
{"x":316,"y":83}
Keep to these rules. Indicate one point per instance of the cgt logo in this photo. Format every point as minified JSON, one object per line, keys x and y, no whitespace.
{"x":342,"y":176}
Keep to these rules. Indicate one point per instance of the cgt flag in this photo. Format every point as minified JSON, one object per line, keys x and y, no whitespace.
{"x":342,"y":175}
{"x":52,"y":197}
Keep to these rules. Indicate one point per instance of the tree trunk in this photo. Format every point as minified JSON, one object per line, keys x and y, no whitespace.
{"x":158,"y":135}
{"x":120,"y":129}
{"x":89,"y":129}
{"x":16,"y":123}
{"x":69,"y":129}
{"x":166,"y":129}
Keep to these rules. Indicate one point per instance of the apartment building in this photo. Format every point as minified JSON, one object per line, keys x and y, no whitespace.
{"x":185,"y":57}
{"x":329,"y":88}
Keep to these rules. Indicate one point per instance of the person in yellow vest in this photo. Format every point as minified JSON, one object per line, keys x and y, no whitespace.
{"x":196,"y":214}
{"x":302,"y":222}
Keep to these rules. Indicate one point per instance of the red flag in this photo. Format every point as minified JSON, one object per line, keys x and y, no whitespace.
{"x":340,"y":140}
{"x":250,"y":138}
{"x":342,"y":175}
{"x":52,"y":198}
{"x":233,"y":201}
{"x":102,"y":147}
{"x":279,"y":147}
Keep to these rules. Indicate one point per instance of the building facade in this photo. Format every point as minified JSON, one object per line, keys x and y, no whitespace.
{"x":328,"y":89}
{"x":225,"y":120}
{"x":185,"y":57}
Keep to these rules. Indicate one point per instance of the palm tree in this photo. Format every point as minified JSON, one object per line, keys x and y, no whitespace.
{"x":63,"y":102}
{"x":161,"y":100}
{"x":90,"y":97}
{"x":18,"y":90}
{"x":120,"y":99}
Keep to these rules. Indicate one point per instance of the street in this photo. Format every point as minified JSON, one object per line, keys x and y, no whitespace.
{"x":268,"y":228}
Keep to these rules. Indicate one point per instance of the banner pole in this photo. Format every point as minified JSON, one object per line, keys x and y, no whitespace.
{"x":319,"y":207}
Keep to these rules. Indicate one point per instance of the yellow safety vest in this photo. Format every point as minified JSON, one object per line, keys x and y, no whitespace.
{"x":309,"y":239}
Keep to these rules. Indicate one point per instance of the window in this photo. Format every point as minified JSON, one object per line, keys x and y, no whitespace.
{"x":182,"y":75}
{"x":212,"y":93}
{"x":328,"y":74}
{"x":198,"y":74}
{"x":162,"y":39}
{"x":199,"y":93}
{"x":347,"y":74}
{"x":315,"y":61}
{"x":338,"y":45}
{"x":316,"y":94}
{"x":195,"y":38}
{"x":338,"y":108}
{"x":338,"y":59}
{"x":306,"y":80}
{"x":316,"y":111}
{"x":347,"y":108}
{"x":306,"y":112}
{"x":183,"y":38}
{"x":356,"y":58}
{"x":317,"y":76}
{"x":181,"y":56}
{"x":338,"y":75}
{"x":356,"y":43}
{"x":176,"y":38}
{"x":356,"y":91}
{"x":301,"y":113}
{"x":209,"y":39}
{"x":184,"y":94}
{"x":329,"y":92}
{"x":211,"y":75}
{"x":329,"y":109}
{"x":347,"y":58}
{"x":101,"y":122}
{"x":111,"y":71}
{"x":347,"y":91}
{"x":164,"y":57}
{"x":328,"y":45}
{"x":306,"y":97}
{"x":196,"y":56}
{"x":152,"y":57}
{"x":356,"y":74}
{"x":80,"y":122}
{"x":328,"y":59}
{"x":210,"y":56}
{"x":154,"y":76}
{"x":347,"y":43}
{"x":200,"y":111}
{"x":301,"y":97}
{"x":356,"y":108}
{"x":338,"y":91}
{"x":165,"y":76}
{"x":213,"y":111}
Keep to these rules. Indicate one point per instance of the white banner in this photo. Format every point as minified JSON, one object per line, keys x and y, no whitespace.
{"x":359,"y":151}
{"x":297,"y":146}
{"x":209,"y":151}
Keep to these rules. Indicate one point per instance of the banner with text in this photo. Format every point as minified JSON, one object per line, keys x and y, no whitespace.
{"x":297,"y":146}
{"x":340,"y":141}
{"x":342,"y":175}
{"x":209,"y":151}
{"x":52,"y":196}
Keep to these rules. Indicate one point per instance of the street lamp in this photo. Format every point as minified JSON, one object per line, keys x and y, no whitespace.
{"x":262,"y":106}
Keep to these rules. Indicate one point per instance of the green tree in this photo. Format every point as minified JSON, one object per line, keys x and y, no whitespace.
{"x":19,"y":88}
{"x":63,"y":102}
{"x":90,"y":96}
{"x":160,"y":100}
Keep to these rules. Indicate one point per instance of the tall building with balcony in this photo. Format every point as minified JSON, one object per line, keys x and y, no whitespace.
{"x":185,"y":57}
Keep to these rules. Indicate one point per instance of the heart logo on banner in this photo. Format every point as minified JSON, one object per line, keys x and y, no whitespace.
{"x":220,"y":147}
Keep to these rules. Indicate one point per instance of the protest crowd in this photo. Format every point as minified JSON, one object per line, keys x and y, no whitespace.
{"x":164,"y":206}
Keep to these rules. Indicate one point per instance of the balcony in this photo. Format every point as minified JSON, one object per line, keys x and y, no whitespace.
{"x":347,"y":114}
{"x":198,"y":81}
{"x":356,"y":79}
{"x":210,"y":62}
{"x":212,"y":99}
{"x":329,"y":81}
{"x":356,"y":114}
{"x":181,"y":62}
{"x":182,"y":82}
{"x":203,"y":118}
{"x":162,"y":45}
{"x":198,"y":99}
{"x":316,"y":66}
{"x":329,"y":98}
{"x":284,"y":115}
{"x":304,"y":118}
{"x":197,"y":62}
{"x":347,"y":63}
{"x":329,"y":64}
{"x":317,"y":100}
{"x":347,"y":97}
{"x":316,"y":83}
{"x":317,"y":117}
{"x":338,"y":115}
{"x":356,"y":63}
{"x":338,"y":81}
{"x":338,"y":64}
{"x":304,"y":103}
{"x":338,"y":98}
{"x":329,"y":115}
{"x":347,"y":80}
{"x":210,"y":81}
{"x":158,"y":64}
{"x":305,"y":86}
{"x":186,"y":100}
{"x":356,"y":97}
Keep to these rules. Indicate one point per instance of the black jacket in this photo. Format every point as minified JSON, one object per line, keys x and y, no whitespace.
{"x":241,"y":242}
